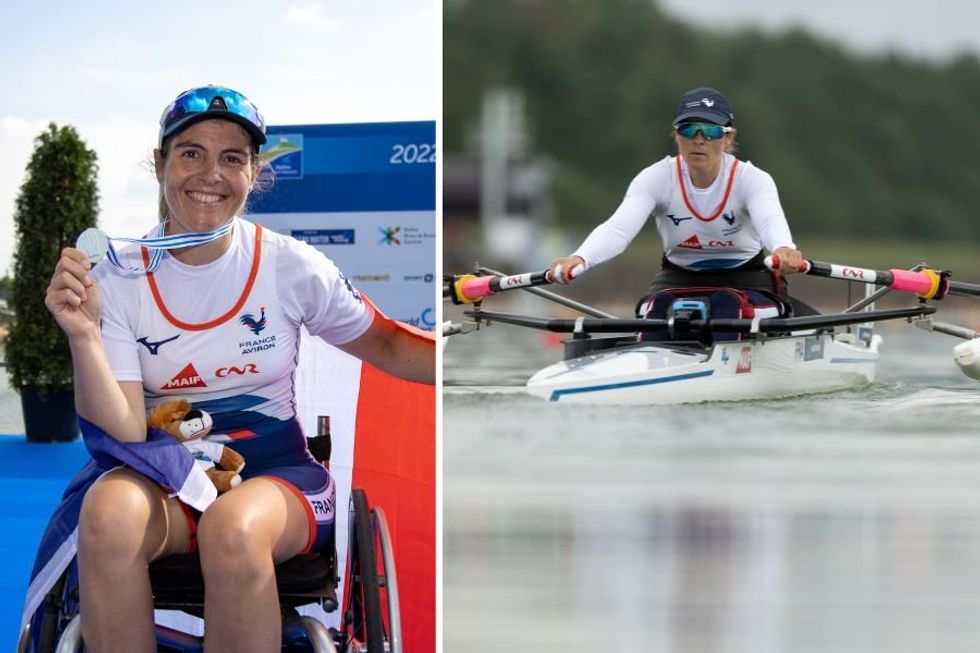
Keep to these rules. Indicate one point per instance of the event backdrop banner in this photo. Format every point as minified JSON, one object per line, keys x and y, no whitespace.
{"x":365,"y":195}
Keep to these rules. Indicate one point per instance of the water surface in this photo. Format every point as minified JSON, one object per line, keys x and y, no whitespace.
{"x":840,"y":522}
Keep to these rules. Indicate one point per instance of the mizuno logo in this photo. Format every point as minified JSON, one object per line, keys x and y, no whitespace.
{"x":707,"y":102}
{"x":186,"y":378}
{"x":692,"y":243}
{"x":154,"y":347}
{"x":677,"y":221}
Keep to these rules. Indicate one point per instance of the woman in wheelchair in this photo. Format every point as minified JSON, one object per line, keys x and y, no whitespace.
{"x":215,"y":318}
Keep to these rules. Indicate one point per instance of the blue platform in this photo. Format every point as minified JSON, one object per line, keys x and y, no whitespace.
{"x":32,"y":479}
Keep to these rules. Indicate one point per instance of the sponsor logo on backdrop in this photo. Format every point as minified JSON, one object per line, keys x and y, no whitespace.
{"x":284,"y":156}
{"x":425,"y":320}
{"x":186,"y":378}
{"x":372,"y":278}
{"x":424,"y":278}
{"x":390,"y":236}
{"x":324,"y":236}
{"x":405,"y":236}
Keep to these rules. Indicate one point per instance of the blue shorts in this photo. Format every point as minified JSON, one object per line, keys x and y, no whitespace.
{"x":311,"y":483}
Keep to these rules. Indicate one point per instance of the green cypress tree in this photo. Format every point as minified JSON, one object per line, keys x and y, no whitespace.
{"x":58,"y":200}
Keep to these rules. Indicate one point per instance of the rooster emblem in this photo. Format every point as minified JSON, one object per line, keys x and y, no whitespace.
{"x":255,"y":326}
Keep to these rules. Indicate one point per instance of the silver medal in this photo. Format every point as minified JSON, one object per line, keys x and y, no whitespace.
{"x":94,"y":243}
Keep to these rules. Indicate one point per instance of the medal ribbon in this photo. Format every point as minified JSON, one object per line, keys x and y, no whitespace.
{"x":157,"y":243}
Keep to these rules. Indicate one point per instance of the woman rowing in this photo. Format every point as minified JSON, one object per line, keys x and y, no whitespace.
{"x":716,"y":215}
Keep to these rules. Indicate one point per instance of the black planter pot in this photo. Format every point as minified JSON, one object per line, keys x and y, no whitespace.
{"x":49,"y":414}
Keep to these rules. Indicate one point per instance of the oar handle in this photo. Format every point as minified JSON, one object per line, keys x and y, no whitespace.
{"x":469,"y":288}
{"x":772,"y":262}
{"x":925,"y":283}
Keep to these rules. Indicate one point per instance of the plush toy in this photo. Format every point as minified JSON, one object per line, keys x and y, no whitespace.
{"x":189,"y":426}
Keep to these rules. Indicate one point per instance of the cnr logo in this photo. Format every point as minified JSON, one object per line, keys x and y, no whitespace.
{"x":854,"y":273}
{"x":248,"y":368}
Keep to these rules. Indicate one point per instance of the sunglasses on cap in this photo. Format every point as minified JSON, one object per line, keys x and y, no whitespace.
{"x":709,"y":130}
{"x":212,"y":101}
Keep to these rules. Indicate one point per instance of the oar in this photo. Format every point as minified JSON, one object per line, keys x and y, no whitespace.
{"x":469,"y":289}
{"x":555,"y":297}
{"x":738,"y":325}
{"x":926,"y":283}
{"x":966,"y":355}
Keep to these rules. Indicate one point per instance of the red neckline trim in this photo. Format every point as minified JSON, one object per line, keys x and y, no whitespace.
{"x":724,"y":200}
{"x":188,"y":326}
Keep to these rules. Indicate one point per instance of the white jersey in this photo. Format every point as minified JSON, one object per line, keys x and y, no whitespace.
{"x":714,"y":228}
{"x":225,"y":334}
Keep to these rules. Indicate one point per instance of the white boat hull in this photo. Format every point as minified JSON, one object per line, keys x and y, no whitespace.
{"x":731,"y":371}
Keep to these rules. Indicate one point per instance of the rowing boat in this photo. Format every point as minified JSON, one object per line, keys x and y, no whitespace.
{"x":773,"y":357}
{"x":655,"y":374}
{"x":776,"y":357}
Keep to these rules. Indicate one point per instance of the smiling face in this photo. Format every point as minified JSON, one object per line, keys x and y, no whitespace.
{"x":206,"y":174}
{"x":703,"y":157}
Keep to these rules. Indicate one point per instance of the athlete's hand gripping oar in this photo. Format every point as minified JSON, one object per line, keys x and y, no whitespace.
{"x":926,"y":283}
{"x":469,"y":288}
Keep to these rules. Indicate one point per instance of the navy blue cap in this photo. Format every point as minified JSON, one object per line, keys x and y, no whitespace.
{"x":705,"y":104}
{"x":212,"y":102}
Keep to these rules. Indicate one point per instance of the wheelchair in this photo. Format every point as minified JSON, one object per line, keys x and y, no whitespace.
{"x":370,"y":621}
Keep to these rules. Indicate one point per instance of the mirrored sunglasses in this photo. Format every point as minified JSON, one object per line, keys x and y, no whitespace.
{"x":212,"y":98}
{"x":709,"y":130}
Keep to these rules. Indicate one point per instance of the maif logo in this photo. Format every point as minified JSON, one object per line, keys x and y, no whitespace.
{"x":692,"y":243}
{"x":390,"y":236}
{"x":254,"y":325}
{"x":186,"y":378}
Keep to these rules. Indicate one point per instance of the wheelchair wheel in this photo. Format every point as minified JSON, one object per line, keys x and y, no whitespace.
{"x":390,"y":585}
{"x":44,"y":631}
{"x":363,"y":623}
